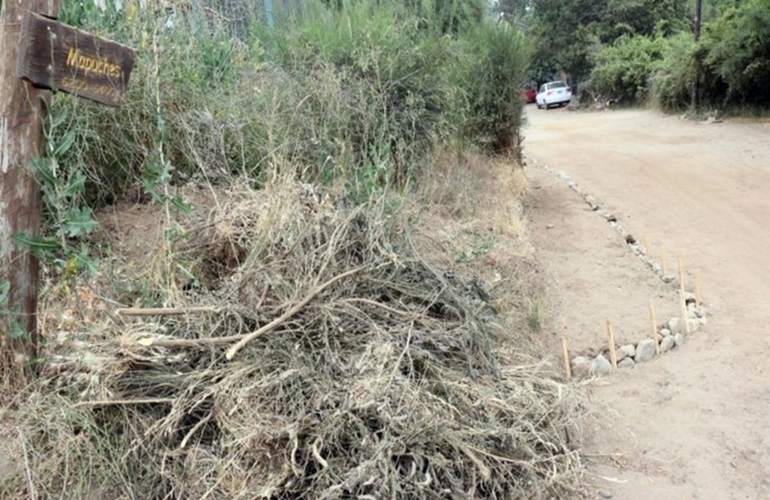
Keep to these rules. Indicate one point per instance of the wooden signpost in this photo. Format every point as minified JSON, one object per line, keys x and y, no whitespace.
{"x":56,"y":56}
{"x":38,"y":54}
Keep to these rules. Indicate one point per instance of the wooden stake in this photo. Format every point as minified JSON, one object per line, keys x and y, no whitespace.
{"x":697,"y":288}
{"x":681,"y":274}
{"x":611,"y":343}
{"x":565,"y":351}
{"x":663,"y":262}
{"x":654,"y":329}
{"x":683,"y":305}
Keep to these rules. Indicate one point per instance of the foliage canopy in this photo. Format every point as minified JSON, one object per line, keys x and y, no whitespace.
{"x":634,"y":49}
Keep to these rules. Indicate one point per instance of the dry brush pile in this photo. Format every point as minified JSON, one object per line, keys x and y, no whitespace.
{"x":326,"y":360}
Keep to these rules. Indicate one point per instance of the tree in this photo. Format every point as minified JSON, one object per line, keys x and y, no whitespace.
{"x":564,"y":32}
{"x":643,"y":17}
{"x":568,"y":32}
{"x":737,"y":49}
{"x":623,"y":69}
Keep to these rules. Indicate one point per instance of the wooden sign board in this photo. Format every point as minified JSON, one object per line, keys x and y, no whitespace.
{"x":56,"y":56}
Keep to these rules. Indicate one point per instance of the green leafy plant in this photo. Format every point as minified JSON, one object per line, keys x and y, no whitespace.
{"x":355,"y":93}
{"x":672,"y":77}
{"x":493,"y":61}
{"x":737,"y":51}
{"x":480,"y":246}
{"x":623,"y":70}
{"x":62,"y":186}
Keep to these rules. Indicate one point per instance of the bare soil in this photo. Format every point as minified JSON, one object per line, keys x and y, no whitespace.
{"x":692,"y":424}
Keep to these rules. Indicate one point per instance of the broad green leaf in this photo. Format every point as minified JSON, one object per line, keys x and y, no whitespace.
{"x":59,"y":118}
{"x":65,"y":144}
{"x":79,"y":221}
{"x":180,"y":204}
{"x":43,"y":168}
{"x":35,"y":244}
{"x":76,"y":185}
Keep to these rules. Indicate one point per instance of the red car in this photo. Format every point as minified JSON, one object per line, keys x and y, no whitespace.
{"x":529,"y":94}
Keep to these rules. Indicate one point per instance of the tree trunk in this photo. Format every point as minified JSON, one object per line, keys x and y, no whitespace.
{"x":22,"y":110}
{"x":695,"y":104}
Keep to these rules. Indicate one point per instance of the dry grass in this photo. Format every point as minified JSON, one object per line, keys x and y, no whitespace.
{"x":472,"y":221}
{"x":377,"y":372}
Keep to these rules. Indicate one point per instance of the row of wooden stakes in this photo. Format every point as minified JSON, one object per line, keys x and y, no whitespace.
{"x":653,"y":320}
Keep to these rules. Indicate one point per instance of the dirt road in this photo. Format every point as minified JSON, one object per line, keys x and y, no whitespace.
{"x":692,"y":424}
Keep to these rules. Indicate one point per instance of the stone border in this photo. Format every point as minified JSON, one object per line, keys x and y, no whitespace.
{"x":669,"y":335}
{"x":634,"y":245}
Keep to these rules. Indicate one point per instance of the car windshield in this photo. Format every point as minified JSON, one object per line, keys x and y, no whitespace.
{"x":557,"y":85}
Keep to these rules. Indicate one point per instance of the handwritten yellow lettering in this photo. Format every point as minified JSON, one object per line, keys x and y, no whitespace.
{"x":88,"y":64}
{"x":72,"y":56}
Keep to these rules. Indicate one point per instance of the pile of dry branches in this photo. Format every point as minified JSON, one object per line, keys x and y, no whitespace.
{"x":326,"y":360}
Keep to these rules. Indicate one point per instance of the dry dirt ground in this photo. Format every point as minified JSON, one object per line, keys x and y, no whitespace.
{"x":693,"y":423}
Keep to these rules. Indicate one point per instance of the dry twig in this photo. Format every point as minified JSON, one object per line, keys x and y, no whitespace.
{"x":165,"y":311}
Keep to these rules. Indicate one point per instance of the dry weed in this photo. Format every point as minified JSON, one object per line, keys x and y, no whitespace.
{"x":366,"y":371}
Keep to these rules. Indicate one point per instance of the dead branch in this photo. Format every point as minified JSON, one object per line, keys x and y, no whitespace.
{"x":165,"y":311}
{"x":242,"y":340}
{"x":289,"y":313}
{"x":141,"y":401}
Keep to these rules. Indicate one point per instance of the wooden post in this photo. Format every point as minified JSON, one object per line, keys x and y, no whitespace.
{"x":695,"y":97}
{"x":611,"y":343}
{"x":681,"y":275}
{"x":22,"y":111}
{"x":697,"y":288}
{"x":663,"y":262}
{"x":654,"y":329}
{"x":565,"y":352}
{"x":685,"y":317}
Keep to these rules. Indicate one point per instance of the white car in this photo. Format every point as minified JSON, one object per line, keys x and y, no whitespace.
{"x":553,"y":93}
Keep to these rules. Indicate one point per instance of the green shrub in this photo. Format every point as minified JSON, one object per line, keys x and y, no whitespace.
{"x":184,"y":106}
{"x":732,"y":61}
{"x":359,"y":91}
{"x":623,"y":69}
{"x":737,"y":50}
{"x":374,"y":94}
{"x":672,"y":81}
{"x":673,"y":76}
{"x":491,"y":64}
